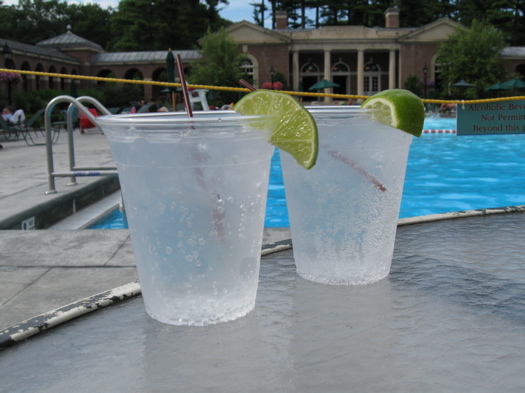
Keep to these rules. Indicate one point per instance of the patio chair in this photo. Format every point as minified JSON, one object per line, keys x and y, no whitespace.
{"x":32,"y":126}
{"x":10,"y":132}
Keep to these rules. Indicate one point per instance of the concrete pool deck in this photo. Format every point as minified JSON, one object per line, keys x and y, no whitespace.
{"x":41,"y":270}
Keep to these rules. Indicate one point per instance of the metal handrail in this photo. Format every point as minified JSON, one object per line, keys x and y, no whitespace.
{"x":73,"y":170}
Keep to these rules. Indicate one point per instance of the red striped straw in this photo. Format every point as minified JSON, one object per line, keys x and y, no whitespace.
{"x":339,"y":156}
{"x":185,"y":93}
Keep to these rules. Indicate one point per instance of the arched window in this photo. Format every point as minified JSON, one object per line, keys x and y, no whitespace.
{"x":310,"y":68}
{"x":25,"y":81}
{"x":39,"y":68}
{"x":250,"y":69}
{"x":341,"y":76}
{"x":246,"y":67}
{"x":309,"y":76}
{"x":62,"y":80}
{"x":51,"y":80}
{"x":372,"y":77}
{"x":340,"y":67}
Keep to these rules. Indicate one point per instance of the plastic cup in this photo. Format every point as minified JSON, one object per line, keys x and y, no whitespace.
{"x":343,"y":212}
{"x":195,"y":195}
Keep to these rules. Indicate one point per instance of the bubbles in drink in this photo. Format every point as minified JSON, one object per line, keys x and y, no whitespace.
{"x":169,"y":250}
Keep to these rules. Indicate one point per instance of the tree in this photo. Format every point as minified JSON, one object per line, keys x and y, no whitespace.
{"x":162,"y":24}
{"x":473,"y":55}
{"x":32,"y":21}
{"x":219,"y":66}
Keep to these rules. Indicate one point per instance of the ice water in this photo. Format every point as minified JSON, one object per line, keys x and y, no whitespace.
{"x":343,"y":212}
{"x":195,"y":201}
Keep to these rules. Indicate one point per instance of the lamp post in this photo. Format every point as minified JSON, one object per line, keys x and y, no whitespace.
{"x":8,"y":55}
{"x":272,"y":73}
{"x":425,"y":72}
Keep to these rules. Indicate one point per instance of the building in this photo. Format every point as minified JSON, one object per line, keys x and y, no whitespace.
{"x":361,"y":60}
{"x":70,"y":54}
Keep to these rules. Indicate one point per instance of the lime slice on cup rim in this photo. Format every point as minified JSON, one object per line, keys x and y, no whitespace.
{"x":397,"y":108}
{"x":293,"y":128}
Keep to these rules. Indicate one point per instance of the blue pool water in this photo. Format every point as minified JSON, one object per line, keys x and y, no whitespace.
{"x":445,"y":173}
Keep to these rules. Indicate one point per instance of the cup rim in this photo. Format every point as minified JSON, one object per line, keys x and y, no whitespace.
{"x":177,"y":118}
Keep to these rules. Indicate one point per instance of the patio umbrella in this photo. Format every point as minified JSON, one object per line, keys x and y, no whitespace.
{"x":463,"y":83}
{"x":323,"y":84}
{"x":497,"y":86}
{"x":170,"y":74}
{"x":515,"y":83}
{"x":73,"y":89}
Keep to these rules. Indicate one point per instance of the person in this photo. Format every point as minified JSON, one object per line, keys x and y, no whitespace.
{"x":136,"y":108}
{"x":7,"y":113}
{"x":446,"y":107}
{"x":18,"y":117}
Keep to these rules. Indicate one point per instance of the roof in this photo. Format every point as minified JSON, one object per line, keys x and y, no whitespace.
{"x":142,"y":57}
{"x":513,"y":51}
{"x":38,"y":51}
{"x":69,"y":41}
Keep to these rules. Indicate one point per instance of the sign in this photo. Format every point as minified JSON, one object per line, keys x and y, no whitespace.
{"x":506,"y":117}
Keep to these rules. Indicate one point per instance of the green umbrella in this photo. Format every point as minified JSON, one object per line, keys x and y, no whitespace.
{"x":170,"y":74}
{"x":463,"y":83}
{"x":323,"y":84}
{"x":497,"y":86}
{"x":516,"y":83}
{"x":73,"y":89}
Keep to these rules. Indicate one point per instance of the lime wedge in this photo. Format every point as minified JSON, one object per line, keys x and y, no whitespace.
{"x":398,"y":108}
{"x":293,"y":128}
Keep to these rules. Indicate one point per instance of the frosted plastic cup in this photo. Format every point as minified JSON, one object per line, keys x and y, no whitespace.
{"x":343,"y":212}
{"x":195,"y":195}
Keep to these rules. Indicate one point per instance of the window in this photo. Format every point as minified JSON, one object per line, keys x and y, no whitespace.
{"x":372,"y":82}
{"x":246,"y":67}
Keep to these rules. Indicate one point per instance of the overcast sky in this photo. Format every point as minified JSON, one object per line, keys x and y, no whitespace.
{"x":236,"y":11}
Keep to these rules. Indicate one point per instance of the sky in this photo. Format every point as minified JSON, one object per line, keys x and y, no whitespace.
{"x":236,"y":11}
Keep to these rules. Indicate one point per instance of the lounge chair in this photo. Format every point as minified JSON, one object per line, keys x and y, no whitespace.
{"x":10,"y":132}
{"x":32,"y":126}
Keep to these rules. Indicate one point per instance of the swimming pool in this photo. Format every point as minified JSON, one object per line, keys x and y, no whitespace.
{"x":445,"y":173}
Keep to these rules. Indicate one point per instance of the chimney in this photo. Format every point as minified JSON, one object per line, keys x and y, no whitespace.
{"x":281,"y":20}
{"x":392,"y":18}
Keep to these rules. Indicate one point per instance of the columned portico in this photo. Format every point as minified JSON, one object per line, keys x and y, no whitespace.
{"x":360,"y":60}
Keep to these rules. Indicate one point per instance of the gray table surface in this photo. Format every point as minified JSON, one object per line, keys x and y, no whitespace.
{"x":450,"y":317}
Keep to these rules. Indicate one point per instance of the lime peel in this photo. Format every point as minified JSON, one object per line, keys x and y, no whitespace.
{"x":293,"y":128}
{"x":397,"y":108}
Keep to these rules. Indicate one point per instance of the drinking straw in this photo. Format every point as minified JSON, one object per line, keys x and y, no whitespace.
{"x":339,"y":156}
{"x":199,"y":156}
{"x":185,"y":93}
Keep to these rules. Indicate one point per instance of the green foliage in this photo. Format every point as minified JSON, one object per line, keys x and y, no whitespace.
{"x":414,"y":85}
{"x":32,"y":21}
{"x":162,"y":24}
{"x":279,"y":77}
{"x":219,"y":66}
{"x":473,"y":55}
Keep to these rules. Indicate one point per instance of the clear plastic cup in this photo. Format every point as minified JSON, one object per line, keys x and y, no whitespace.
{"x":343,"y":212}
{"x":195,"y":195}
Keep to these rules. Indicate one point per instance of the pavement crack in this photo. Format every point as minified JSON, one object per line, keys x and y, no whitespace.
{"x":117,"y":250}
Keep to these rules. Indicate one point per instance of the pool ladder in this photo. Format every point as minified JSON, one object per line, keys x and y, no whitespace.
{"x":74,"y":171}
